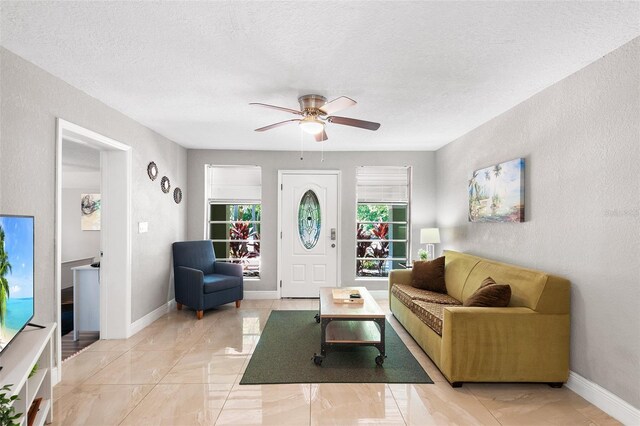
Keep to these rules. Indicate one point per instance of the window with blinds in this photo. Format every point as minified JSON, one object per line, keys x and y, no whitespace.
{"x":235,"y":210}
{"x":382,"y":219}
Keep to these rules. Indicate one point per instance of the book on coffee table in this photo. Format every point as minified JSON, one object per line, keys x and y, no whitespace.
{"x":347,"y":296}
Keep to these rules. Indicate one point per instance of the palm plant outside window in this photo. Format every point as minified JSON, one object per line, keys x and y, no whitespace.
{"x":382,"y":220}
{"x":381,"y":240}
{"x":235,"y":231}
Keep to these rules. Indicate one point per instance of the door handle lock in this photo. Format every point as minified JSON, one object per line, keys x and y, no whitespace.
{"x":333,"y":234}
{"x":333,"y":246}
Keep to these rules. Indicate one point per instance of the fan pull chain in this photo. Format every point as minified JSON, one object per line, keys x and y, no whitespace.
{"x":322,"y":153}
{"x":301,"y":144}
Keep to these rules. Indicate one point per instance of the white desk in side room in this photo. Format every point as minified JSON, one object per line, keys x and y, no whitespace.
{"x":86,"y":299}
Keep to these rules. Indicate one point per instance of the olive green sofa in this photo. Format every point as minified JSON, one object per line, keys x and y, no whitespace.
{"x":528,"y":341}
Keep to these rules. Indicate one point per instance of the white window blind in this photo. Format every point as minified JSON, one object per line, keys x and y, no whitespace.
{"x":378,"y":184}
{"x":234,"y":183}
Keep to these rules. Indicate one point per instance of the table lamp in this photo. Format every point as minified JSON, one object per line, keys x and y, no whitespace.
{"x":430,"y":236}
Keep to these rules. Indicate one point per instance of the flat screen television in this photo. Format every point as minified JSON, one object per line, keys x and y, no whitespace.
{"x":16,"y":276}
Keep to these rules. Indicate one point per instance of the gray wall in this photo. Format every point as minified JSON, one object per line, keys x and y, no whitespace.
{"x":422,"y":213}
{"x":76,"y":243}
{"x":32,"y":99}
{"x":580,"y":139}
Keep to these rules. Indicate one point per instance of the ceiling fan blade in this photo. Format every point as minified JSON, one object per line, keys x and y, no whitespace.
{"x":273,"y":126}
{"x":369,"y":125}
{"x":337,"y":104}
{"x":293,"y":111}
{"x":322,"y":136}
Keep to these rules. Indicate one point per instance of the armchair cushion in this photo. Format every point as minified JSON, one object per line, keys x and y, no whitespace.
{"x":228,"y":269}
{"x":218,"y":282}
{"x":195,"y":254}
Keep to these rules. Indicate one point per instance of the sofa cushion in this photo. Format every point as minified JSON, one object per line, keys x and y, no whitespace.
{"x":429,"y":275}
{"x":218,"y":282}
{"x":457,"y":268}
{"x":429,"y":313}
{"x":407,"y":293}
{"x":490,"y":295}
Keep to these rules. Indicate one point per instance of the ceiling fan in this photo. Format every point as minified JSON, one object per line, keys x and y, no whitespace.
{"x":316,"y":113}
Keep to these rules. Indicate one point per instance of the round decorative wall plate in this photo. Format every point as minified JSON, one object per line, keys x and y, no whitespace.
{"x":165,"y":184}
{"x":152,"y":170}
{"x":177,"y":195}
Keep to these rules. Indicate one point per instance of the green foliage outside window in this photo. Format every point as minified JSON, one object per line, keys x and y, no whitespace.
{"x":380,"y":231}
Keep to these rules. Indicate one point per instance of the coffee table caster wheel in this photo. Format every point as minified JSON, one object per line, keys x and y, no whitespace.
{"x":317,"y":360}
{"x":379,"y":360}
{"x":317,"y":317}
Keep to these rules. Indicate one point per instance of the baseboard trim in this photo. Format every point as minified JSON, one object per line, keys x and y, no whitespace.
{"x":146,"y":320}
{"x":611,"y":404}
{"x":255,"y":295}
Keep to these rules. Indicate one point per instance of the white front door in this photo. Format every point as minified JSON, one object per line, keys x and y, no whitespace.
{"x":309,"y":225}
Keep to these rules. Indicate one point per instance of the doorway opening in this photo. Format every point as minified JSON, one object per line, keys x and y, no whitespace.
{"x":109,"y":286}
{"x":80,"y":246}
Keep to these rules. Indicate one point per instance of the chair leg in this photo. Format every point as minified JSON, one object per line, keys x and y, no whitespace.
{"x":199,"y":314}
{"x":179,"y":306}
{"x":237,"y":303}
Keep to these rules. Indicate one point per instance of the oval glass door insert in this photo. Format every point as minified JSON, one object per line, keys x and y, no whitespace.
{"x":309,"y":219}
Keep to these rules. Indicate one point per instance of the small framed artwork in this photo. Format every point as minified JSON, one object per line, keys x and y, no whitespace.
{"x":90,"y":212}
{"x":496,"y":193}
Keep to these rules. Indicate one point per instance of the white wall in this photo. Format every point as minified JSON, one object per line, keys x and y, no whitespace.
{"x":31,"y":100}
{"x":422,"y":207}
{"x":76,"y":243}
{"x":581,"y":141}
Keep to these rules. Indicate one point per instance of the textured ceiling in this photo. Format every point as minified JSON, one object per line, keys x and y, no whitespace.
{"x":428,"y":71}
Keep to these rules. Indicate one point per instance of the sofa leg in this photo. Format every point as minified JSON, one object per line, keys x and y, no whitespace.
{"x":179,"y":306}
{"x":555,"y":385}
{"x":237,"y":303}
{"x":456,"y":384}
{"x":199,"y":314}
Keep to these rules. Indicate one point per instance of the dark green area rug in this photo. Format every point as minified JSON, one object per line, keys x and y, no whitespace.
{"x":290,"y":338}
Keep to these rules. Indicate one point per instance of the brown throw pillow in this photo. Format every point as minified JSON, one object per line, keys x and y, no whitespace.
{"x":487,"y":281}
{"x":429,"y":275}
{"x":490,"y":295}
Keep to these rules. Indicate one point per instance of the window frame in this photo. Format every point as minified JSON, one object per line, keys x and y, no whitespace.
{"x":392,"y":259}
{"x":209,"y":222}
{"x":408,"y":240}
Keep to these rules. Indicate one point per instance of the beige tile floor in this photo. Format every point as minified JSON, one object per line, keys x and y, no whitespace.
{"x":180,"y":371}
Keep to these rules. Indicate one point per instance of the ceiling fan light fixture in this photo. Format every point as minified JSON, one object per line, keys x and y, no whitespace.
{"x":311,"y":125}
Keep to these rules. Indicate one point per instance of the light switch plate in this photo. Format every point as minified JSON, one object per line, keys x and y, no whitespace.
{"x":143,"y":227}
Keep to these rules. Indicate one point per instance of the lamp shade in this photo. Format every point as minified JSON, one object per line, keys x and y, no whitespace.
{"x":429,"y":236}
{"x":311,"y":125}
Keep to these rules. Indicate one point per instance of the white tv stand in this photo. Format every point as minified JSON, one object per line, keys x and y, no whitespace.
{"x":30,"y":346}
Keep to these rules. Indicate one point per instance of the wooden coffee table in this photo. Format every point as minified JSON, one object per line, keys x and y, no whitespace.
{"x":350,"y":324}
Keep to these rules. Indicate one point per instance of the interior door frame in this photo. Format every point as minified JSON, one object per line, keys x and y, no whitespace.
{"x":115,"y":300}
{"x":338,"y":175}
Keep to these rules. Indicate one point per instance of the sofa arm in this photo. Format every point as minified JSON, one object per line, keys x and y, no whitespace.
{"x":189,"y":287}
{"x":504,"y":344}
{"x":225,"y":268}
{"x":399,"y":276}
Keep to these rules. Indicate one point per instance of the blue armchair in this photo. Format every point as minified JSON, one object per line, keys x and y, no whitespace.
{"x":201,"y":282}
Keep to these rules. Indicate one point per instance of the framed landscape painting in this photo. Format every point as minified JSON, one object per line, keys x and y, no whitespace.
{"x":496,"y":193}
